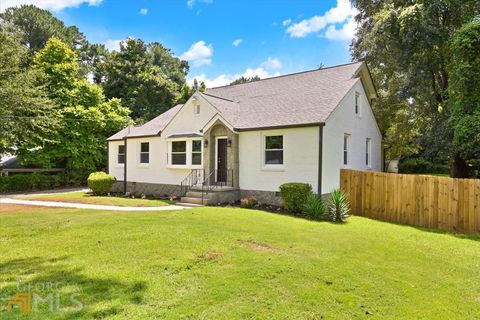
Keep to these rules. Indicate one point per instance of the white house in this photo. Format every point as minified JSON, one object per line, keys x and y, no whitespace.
{"x":248,"y":139}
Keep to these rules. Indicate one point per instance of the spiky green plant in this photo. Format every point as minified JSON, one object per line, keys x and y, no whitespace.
{"x":338,"y":207}
{"x":314,"y":206}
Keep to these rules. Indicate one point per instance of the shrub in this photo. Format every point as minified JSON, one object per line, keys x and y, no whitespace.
{"x":294,"y":195}
{"x":100,"y":182}
{"x":248,"y":202}
{"x":338,"y":206}
{"x":314,"y":206}
{"x":26,"y":182}
{"x":421,"y":165}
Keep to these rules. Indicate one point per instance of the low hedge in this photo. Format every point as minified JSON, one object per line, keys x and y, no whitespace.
{"x":26,"y":182}
{"x":421,"y":165}
{"x":100,"y":182}
{"x":294,"y":195}
{"x":39,"y":181}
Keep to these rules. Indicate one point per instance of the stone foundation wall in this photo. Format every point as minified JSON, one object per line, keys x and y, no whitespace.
{"x":263,"y":197}
{"x":152,"y":189}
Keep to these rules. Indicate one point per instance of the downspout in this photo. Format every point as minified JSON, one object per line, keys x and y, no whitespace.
{"x":108,"y":157}
{"x":125,"y":167}
{"x":320,"y":158}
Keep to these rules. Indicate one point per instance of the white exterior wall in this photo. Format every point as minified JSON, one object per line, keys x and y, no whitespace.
{"x":114,"y":168}
{"x":344,"y":121}
{"x":300,"y":156}
{"x":158,"y":171}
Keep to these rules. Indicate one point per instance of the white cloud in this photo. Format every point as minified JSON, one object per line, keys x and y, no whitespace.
{"x":191,"y":3}
{"x":54,"y":5}
{"x":113,"y":45}
{"x":237,"y":42}
{"x":340,"y":14}
{"x":225,"y":79}
{"x":199,"y":54}
{"x":272,"y":64}
{"x":143,"y":11}
{"x":346,"y":32}
{"x":286,"y":22}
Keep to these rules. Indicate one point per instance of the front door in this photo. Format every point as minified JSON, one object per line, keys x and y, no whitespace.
{"x":222,"y":160}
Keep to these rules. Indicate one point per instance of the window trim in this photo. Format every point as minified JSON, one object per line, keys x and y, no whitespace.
{"x":119,"y":154}
{"x":346,"y":150}
{"x":368,"y":153}
{"x":188,"y":151}
{"x":171,"y":153}
{"x":192,"y":152}
{"x":358,"y":104}
{"x":272,"y":167}
{"x":196,"y":109}
{"x":143,"y":164}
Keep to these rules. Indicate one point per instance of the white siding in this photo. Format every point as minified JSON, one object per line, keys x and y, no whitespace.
{"x":157,"y":170}
{"x":114,"y":168}
{"x":344,"y":121}
{"x":300,"y":147}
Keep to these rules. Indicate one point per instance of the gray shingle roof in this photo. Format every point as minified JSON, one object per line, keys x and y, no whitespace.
{"x":151,"y":128}
{"x":295,"y":99}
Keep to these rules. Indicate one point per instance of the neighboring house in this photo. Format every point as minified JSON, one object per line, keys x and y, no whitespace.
{"x":9,"y":165}
{"x":248,"y":139}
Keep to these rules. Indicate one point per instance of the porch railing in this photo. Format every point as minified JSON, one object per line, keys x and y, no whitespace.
{"x":195,"y":177}
{"x":217,"y":179}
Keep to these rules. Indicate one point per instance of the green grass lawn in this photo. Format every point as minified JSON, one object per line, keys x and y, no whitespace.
{"x":221,"y":263}
{"x":82,"y":197}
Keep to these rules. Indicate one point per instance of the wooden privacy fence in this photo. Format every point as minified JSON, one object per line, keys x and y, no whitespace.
{"x":426,"y":201}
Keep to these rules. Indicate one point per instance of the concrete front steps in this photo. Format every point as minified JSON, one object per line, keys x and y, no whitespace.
{"x":214,"y":196}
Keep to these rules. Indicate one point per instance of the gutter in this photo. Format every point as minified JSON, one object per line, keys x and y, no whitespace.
{"x":125,"y":167}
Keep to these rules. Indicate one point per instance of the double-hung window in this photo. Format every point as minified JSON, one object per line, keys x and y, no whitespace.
{"x":368,"y":152}
{"x":346,"y":147}
{"x":274,"y":150}
{"x":196,"y":152}
{"x":144,"y":152}
{"x":121,"y":154}
{"x":179,"y":152}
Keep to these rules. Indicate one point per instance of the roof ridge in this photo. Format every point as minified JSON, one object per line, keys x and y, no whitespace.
{"x":286,"y":75}
{"x":214,"y":96}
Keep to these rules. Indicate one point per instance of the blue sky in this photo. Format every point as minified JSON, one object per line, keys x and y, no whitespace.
{"x":222,"y":39}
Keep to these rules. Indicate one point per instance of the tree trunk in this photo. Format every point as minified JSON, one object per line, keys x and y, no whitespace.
{"x":459,"y":168}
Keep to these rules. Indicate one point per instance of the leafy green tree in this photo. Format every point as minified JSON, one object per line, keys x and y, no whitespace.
{"x":464,"y":90}
{"x":27,"y":115}
{"x":147,"y":78}
{"x":406,"y":45}
{"x":85,"y":117}
{"x":244,"y":79}
{"x":35,"y":26}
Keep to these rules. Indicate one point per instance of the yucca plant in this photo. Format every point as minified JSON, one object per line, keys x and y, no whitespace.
{"x":338,"y":206}
{"x":314,"y":206}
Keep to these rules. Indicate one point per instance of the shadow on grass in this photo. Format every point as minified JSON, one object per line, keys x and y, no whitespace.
{"x":99,"y":297}
{"x":465,"y":236}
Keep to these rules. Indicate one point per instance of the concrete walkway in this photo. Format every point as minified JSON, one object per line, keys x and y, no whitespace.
{"x":85,"y":206}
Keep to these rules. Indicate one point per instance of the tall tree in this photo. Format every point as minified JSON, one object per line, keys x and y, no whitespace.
{"x":147,"y":78}
{"x":406,"y":45}
{"x":35,"y":26}
{"x":464,"y":91}
{"x":85,"y":117}
{"x":27,"y":115}
{"x":243,"y":79}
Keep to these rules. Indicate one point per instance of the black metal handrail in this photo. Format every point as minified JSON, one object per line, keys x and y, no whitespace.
{"x":193,"y":179}
{"x":217,"y":179}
